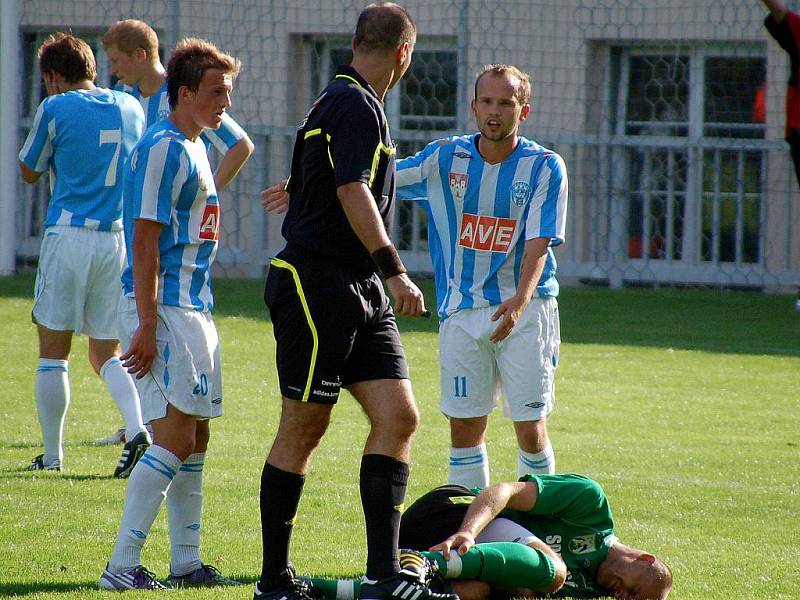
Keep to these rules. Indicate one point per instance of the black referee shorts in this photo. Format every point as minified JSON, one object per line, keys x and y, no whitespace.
{"x":333,"y":326}
{"x":434,"y":517}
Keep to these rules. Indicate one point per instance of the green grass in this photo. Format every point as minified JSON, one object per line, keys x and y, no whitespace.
{"x":682,"y":403}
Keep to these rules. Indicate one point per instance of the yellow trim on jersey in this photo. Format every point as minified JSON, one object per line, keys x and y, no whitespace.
{"x":282,"y":264}
{"x":330,"y":158}
{"x":400,"y":507}
{"x":380,"y":148}
{"x":342,"y":76}
{"x":312,"y":132}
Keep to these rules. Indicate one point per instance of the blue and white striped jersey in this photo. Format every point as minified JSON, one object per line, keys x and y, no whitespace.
{"x":168,"y":179}
{"x":480,"y":215}
{"x":83,"y":138}
{"x":156,"y":108}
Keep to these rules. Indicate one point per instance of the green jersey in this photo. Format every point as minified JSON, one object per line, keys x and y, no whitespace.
{"x":572,"y":516}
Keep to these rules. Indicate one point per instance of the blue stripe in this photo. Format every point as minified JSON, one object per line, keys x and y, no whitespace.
{"x":445,"y":164}
{"x":43,"y":369}
{"x":502,"y":210}
{"x":192,"y":467}
{"x":471,"y":204}
{"x":536,"y":464}
{"x":166,"y":366}
{"x":550,"y":206}
{"x":466,"y":460}
{"x":158,"y":465}
{"x":201,"y":275}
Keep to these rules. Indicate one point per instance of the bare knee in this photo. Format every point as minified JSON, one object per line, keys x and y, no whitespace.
{"x":100,"y":351}
{"x":466,"y":433}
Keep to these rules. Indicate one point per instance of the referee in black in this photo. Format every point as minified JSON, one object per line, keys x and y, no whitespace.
{"x":333,"y":323}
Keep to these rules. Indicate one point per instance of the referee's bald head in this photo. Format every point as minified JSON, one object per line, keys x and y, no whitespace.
{"x":384,"y":26}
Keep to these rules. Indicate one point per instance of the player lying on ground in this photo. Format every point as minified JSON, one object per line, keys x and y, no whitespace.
{"x":567,"y":522}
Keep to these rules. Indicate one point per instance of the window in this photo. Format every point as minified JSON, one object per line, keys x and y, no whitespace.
{"x":685,"y":105}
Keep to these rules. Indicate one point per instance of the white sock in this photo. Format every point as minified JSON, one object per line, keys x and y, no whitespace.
{"x":147,"y":487}
{"x":123,"y":391}
{"x":469,"y":466}
{"x":52,"y":400}
{"x":542,"y":463}
{"x":185,"y":507}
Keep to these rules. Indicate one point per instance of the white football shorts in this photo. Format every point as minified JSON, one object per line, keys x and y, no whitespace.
{"x":77,"y":282}
{"x":474,"y":369}
{"x":186,"y":372}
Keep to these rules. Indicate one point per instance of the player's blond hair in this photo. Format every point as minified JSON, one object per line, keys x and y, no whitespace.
{"x":67,"y":55}
{"x":189,"y":62}
{"x":130,"y":34}
{"x":523,"y":91}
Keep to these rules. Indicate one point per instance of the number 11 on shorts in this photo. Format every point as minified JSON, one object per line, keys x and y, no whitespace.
{"x":460,"y":384}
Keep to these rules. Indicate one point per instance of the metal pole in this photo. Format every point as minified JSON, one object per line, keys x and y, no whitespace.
{"x":9,"y":126}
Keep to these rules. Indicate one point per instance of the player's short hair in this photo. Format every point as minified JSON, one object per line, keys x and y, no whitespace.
{"x":384,"y":26}
{"x":130,"y":34}
{"x":523,"y":93}
{"x":189,"y":62}
{"x":67,"y":55}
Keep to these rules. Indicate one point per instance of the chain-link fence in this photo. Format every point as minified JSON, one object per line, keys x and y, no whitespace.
{"x":669,"y":116}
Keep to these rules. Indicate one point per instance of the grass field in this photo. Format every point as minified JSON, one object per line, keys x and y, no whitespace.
{"x":684,"y":404}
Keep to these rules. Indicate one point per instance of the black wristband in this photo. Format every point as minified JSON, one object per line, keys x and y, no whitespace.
{"x":388,"y":261}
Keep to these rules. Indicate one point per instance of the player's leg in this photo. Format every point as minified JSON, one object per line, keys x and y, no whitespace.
{"x":173,"y":442}
{"x":102,"y":300}
{"x":468,"y":393}
{"x":376,"y":374}
{"x":308,"y":357}
{"x":104,"y":358}
{"x":57,"y":313}
{"x":52,"y":395}
{"x":527,"y":362}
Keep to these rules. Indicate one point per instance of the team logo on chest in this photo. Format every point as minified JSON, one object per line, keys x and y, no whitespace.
{"x":209,"y":226}
{"x":162,"y":114}
{"x":520,"y":192}
{"x":458,"y":184}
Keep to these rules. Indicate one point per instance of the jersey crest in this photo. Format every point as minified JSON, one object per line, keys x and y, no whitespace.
{"x":582,"y":544}
{"x":458,"y":184}
{"x":491,"y":234}
{"x":520,"y":192}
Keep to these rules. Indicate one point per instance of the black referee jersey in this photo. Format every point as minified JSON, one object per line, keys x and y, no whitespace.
{"x":344,"y":138}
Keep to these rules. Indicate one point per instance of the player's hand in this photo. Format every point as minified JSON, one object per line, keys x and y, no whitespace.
{"x":142,"y":351}
{"x":510,"y":312}
{"x":275,"y":199}
{"x":461,"y":541}
{"x":408,"y":299}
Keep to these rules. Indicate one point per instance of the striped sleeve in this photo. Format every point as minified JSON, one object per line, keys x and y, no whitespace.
{"x":413,"y":172}
{"x":547,"y":216}
{"x":38,"y":147}
{"x":159,"y":179}
{"x":224,"y":138}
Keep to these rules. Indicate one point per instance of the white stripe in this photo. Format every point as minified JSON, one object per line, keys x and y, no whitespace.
{"x":417,"y":595}
{"x":154,"y":172}
{"x":36,"y":120}
{"x":64,"y":218}
{"x":47,"y":149}
{"x":460,"y":166}
{"x":345,"y":589}
{"x":534,"y":223}
{"x":454,"y":566}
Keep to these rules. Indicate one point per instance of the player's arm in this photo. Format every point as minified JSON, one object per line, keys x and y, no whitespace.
{"x":364,"y":218}
{"x":232,"y":162}
{"x":777,"y":9}
{"x":139,"y":357}
{"x":28,"y":175}
{"x":487,"y":505}
{"x":511,"y":310}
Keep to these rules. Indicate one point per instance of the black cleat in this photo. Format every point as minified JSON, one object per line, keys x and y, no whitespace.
{"x":412,"y":582}
{"x":133,"y":451}
{"x":285,"y":586}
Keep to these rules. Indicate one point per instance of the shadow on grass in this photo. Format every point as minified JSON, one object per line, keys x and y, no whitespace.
{"x":34,"y":589}
{"x":18,"y":286}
